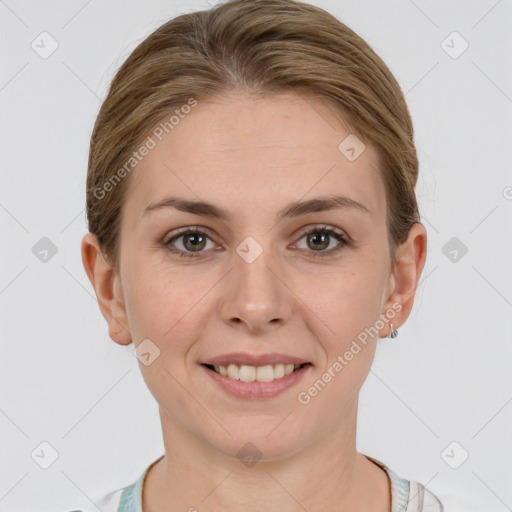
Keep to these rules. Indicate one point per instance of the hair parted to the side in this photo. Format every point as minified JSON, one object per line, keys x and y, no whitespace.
{"x":263,"y":46}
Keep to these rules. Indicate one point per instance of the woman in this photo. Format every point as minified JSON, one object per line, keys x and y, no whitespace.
{"x":254,"y":231}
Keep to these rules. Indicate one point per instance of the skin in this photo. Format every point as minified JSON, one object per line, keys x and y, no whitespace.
{"x":253,"y":156}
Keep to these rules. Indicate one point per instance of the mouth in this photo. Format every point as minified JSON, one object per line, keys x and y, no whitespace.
{"x":256,"y":382}
{"x":246,"y":373}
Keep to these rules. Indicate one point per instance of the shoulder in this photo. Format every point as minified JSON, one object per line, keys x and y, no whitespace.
{"x":426,"y":501}
{"x":121,"y":500}
{"x":127,"y":499}
{"x":422,"y":499}
{"x":409,"y":495}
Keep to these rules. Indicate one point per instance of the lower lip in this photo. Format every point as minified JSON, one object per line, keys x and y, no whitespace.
{"x":257,"y":389}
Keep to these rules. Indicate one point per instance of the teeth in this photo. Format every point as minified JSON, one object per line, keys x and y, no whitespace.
{"x":246,"y":373}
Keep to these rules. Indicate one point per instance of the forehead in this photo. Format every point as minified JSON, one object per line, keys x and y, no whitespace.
{"x":240,"y":150}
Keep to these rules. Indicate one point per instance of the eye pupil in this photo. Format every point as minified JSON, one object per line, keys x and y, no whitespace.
{"x":195,"y":245}
{"x":323,"y":237}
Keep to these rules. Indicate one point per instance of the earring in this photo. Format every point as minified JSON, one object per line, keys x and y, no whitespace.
{"x":393,"y":333}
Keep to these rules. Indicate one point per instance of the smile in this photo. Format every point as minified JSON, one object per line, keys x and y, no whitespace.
{"x":247,"y":373}
{"x":252,"y":382}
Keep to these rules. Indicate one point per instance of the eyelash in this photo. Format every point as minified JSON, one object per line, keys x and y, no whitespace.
{"x":325,"y":230}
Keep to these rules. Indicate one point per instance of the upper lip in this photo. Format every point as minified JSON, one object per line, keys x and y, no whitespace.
{"x":243,"y":358}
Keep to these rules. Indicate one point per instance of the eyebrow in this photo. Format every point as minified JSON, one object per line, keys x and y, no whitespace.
{"x":294,"y":209}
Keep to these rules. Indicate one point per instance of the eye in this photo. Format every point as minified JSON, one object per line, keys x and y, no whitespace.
{"x":194,"y":241}
{"x":318,"y":239}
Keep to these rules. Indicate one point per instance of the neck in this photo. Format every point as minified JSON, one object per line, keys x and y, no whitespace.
{"x":329,"y":474}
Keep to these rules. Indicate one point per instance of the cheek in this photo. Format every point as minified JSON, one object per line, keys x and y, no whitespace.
{"x":164,"y":306}
{"x":347,"y":301}
{"x":349,"y":309}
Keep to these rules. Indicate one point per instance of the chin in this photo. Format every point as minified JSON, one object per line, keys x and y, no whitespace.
{"x":251,"y":445}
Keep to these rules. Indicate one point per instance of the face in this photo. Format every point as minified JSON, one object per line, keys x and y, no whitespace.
{"x":260,"y":280}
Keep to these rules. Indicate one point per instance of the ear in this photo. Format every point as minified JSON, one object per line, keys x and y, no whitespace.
{"x":107,"y":285}
{"x":403,"y":281}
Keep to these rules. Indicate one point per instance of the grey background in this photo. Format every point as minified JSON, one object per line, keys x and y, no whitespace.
{"x":445,"y":378}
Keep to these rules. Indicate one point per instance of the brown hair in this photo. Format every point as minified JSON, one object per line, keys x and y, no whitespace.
{"x":265,"y":46}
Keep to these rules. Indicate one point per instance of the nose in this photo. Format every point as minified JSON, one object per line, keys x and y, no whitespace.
{"x":255,"y":297}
